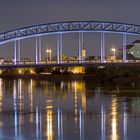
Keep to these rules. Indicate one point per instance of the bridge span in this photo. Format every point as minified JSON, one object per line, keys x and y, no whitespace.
{"x":61,"y":28}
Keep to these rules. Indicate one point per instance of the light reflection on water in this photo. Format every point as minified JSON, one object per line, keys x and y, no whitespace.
{"x":77,"y":110}
{"x":114,"y":119}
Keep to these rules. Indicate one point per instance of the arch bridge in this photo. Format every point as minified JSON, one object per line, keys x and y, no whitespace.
{"x":60,"y":28}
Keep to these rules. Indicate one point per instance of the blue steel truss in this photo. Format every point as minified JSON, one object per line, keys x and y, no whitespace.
{"x":67,"y":27}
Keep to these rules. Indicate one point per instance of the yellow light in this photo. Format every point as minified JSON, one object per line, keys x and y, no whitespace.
{"x":20,"y":71}
{"x":32,"y":72}
{"x":49,"y":124}
{"x":114,"y":119}
{"x":0,"y":71}
{"x":77,"y":70}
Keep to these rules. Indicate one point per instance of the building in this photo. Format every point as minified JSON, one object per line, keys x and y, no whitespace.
{"x":134,"y":49}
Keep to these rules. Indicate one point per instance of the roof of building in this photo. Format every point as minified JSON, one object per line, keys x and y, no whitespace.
{"x":129,"y":46}
{"x":136,"y":41}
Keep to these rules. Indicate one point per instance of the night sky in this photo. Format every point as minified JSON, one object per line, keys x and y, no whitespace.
{"x":19,"y":13}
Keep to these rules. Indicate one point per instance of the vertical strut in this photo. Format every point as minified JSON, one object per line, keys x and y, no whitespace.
{"x":124,"y":47}
{"x":39,"y":42}
{"x":18,"y":50}
{"x":61,"y":51}
{"x":37,"y":54}
{"x":102,"y":46}
{"x":80,"y":47}
{"x":15,"y":52}
{"x":58,"y":49}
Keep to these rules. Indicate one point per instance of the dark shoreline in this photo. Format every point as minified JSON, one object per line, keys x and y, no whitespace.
{"x":45,"y":77}
{"x":72,"y":77}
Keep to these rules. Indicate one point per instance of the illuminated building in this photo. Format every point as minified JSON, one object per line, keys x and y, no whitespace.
{"x":134,"y":49}
{"x":77,"y":70}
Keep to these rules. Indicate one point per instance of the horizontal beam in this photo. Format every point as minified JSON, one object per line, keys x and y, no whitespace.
{"x":86,"y":64}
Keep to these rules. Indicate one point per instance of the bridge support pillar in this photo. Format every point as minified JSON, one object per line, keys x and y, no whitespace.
{"x":59,"y":48}
{"x":80,"y":47}
{"x":124,"y":47}
{"x":40,"y":54}
{"x":38,"y":49}
{"x":102,"y":46}
{"x":16,"y":51}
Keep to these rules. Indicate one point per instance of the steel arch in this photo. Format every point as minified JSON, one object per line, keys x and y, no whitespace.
{"x":67,"y":27}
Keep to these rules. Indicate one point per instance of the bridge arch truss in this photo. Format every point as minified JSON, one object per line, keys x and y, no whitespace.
{"x":60,"y":28}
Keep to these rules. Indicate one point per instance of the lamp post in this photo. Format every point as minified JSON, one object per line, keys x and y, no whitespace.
{"x":114,"y":53}
{"x":49,"y":53}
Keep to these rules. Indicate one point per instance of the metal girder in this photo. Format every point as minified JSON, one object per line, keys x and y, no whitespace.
{"x":66,"y":27}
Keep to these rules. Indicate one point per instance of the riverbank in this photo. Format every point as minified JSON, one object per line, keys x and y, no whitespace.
{"x":73,"y":77}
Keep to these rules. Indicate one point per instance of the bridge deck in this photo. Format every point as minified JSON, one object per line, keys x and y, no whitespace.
{"x":68,"y":64}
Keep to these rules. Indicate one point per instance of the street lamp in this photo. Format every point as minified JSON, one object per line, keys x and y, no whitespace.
{"x":49,"y":53}
{"x":114,"y":52}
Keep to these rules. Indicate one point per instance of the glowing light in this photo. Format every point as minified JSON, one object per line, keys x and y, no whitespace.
{"x":1,"y":71}
{"x":114,"y":119}
{"x":49,"y":124}
{"x":77,"y":70}
{"x":31,"y":71}
{"x":114,"y":53}
{"x":20,"y":71}
{"x":49,"y":120}
{"x":37,"y":122}
{"x":49,"y":52}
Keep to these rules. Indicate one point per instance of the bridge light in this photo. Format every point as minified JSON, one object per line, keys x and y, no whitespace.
{"x":114,"y":53}
{"x":32,"y":72}
{"x":49,"y":54}
{"x":20,"y":71}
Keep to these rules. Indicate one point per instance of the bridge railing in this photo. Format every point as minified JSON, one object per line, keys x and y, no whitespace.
{"x":67,"y":62}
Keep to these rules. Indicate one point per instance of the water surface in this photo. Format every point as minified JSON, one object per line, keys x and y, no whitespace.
{"x":68,"y":110}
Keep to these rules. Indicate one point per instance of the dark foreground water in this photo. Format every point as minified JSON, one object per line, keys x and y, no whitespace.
{"x":68,"y":110}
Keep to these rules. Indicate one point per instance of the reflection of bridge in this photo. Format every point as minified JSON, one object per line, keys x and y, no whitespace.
{"x":60,"y":29}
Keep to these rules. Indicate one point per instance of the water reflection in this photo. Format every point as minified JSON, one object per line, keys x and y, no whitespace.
{"x":125,"y":119}
{"x":30,"y":90}
{"x":1,"y":100}
{"x":60,"y":125}
{"x":102,"y":123}
{"x":49,"y":120}
{"x":65,"y":110}
{"x":114,"y":119}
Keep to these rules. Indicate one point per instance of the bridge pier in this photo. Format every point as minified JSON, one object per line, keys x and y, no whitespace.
{"x":19,"y":51}
{"x":102,"y":46}
{"x":16,"y":51}
{"x":40,"y":54}
{"x":124,"y":47}
{"x":59,"y":48}
{"x":80,"y":47}
{"x":38,"y":49}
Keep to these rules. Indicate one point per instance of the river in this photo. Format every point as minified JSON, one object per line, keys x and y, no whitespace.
{"x":68,"y":110}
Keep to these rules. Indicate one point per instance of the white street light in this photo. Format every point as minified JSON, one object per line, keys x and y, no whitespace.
{"x":49,"y":53}
{"x":114,"y":53}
